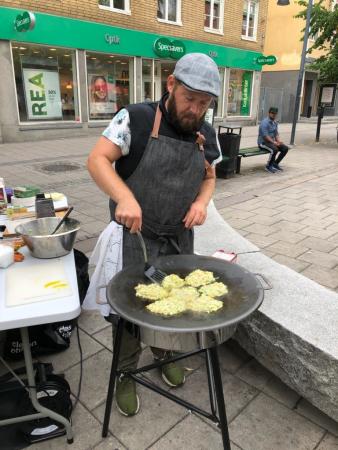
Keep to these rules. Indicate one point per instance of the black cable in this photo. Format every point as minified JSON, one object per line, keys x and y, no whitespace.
{"x":77,"y":396}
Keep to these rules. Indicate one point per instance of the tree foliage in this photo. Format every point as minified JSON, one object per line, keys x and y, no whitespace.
{"x":324,"y":31}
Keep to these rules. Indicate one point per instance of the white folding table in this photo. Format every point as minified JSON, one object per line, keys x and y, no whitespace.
{"x":47,"y":310}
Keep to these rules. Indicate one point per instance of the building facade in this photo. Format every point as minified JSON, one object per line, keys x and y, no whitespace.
{"x":67,"y":67}
{"x":279,"y":81}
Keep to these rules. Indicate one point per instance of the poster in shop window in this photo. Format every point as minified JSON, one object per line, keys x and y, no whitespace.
{"x":246,"y":94}
{"x":42,"y":93}
{"x":102,"y":94}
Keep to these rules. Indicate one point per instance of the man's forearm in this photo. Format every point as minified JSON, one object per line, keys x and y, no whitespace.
{"x":206,"y":190}
{"x":269,"y":139}
{"x":107,"y":179}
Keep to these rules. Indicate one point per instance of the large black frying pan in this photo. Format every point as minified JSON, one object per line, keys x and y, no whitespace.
{"x":244,"y":297}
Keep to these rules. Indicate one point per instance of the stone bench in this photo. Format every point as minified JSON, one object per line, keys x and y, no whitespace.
{"x":294,"y":332}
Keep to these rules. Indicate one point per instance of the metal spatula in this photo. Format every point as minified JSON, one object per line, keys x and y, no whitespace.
{"x":62,"y":221}
{"x":155,"y":275}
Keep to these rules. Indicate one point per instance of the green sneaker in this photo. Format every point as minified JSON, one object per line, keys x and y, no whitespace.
{"x":173,"y":375}
{"x":127,"y":401}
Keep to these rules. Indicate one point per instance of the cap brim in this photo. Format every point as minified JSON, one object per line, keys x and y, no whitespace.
{"x":197,"y":90}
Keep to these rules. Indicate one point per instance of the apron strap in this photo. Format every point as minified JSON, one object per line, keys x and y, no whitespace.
{"x":209,"y":171}
{"x":157,"y":122}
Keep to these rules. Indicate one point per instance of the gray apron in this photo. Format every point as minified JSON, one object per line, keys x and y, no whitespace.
{"x":165,"y":183}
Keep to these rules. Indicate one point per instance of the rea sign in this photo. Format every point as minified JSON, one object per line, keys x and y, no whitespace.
{"x":42,"y":94}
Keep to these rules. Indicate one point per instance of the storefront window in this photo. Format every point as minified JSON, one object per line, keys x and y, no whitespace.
{"x":46,"y":83}
{"x":239,"y":94}
{"x":219,"y":102}
{"x":147,"y":83}
{"x":167,"y":68}
{"x":109,"y":88}
{"x":154,"y":78}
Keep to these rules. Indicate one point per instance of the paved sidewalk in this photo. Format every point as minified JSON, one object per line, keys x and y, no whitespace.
{"x":292,"y":216}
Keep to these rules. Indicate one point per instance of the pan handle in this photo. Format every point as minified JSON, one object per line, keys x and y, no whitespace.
{"x":266,"y":285}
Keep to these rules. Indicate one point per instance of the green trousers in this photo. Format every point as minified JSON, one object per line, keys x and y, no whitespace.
{"x":130,"y":350}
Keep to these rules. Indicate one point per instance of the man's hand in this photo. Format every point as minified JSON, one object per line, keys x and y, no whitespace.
{"x":196,"y":215}
{"x":129,"y":214}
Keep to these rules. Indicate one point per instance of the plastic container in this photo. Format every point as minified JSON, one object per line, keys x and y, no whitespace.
{"x":6,"y":256}
{"x":23,"y":201}
{"x":227,"y":256}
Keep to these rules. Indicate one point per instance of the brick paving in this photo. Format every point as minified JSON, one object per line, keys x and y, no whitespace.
{"x":292,"y":217}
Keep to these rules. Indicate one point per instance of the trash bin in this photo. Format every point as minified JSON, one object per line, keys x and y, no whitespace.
{"x":229,"y":142}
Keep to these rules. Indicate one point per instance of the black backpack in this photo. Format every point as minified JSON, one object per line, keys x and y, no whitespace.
{"x":53,"y":392}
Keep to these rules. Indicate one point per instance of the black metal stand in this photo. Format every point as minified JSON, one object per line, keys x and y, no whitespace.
{"x":113,"y":374}
{"x":214,"y":384}
{"x":320,"y":111}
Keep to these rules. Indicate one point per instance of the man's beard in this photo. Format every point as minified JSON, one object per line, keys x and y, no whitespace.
{"x":185,"y":122}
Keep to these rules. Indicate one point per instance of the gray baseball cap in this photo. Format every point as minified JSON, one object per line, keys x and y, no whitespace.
{"x":198,"y":72}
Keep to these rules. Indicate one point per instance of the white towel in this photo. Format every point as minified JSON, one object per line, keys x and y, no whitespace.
{"x":107,"y":257}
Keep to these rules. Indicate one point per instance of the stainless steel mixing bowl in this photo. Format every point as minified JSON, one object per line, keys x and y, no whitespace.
{"x":37,"y":237}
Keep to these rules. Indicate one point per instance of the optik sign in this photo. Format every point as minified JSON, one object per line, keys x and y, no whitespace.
{"x":165,"y":48}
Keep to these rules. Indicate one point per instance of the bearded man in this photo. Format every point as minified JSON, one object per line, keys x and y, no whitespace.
{"x":161,"y":183}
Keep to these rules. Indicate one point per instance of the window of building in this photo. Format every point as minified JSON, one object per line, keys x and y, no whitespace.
{"x":46,"y":83}
{"x":169,"y":11}
{"x":250,"y":19}
{"x":213,"y":15}
{"x":109,"y":84}
{"x":239,"y":93}
{"x":121,"y":6}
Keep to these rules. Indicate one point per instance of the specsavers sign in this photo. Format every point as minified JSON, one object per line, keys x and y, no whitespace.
{"x":24,"y":21}
{"x":42,"y":92}
{"x":246,"y":93}
{"x":165,"y":48}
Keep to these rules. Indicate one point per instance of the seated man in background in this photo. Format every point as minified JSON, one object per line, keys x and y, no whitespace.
{"x":268,"y":138}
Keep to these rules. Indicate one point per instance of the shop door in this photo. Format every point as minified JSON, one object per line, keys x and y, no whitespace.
{"x":270,"y":97}
{"x":306,"y":109}
{"x":162,"y":70}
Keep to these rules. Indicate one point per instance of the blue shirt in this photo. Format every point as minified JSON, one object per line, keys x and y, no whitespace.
{"x":267,"y":127}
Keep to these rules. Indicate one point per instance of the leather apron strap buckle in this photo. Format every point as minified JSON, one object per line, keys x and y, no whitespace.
{"x":157,"y":123}
{"x":200,"y":140}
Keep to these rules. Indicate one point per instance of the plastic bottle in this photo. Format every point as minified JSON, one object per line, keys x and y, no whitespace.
{"x":3,"y":195}
{"x":6,"y":256}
